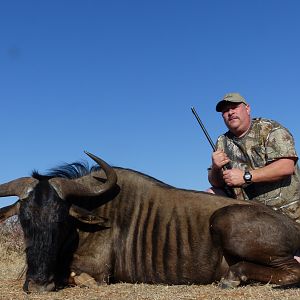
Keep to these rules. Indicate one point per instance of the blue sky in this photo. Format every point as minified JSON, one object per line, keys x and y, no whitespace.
{"x":118,"y":78}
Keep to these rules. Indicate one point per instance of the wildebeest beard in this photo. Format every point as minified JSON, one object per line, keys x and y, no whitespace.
{"x":50,"y":238}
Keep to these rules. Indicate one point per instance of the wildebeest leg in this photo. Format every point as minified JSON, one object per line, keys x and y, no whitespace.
{"x":244,"y":271}
{"x":83,"y":280}
{"x":97,"y":264}
{"x":93,"y":266}
{"x":258,"y":244}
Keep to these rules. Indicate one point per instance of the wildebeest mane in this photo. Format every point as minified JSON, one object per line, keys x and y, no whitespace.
{"x":78,"y":169}
{"x":68,"y":171}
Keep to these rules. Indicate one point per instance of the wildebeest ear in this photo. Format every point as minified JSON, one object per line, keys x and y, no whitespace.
{"x":9,"y":211}
{"x":88,"y":217}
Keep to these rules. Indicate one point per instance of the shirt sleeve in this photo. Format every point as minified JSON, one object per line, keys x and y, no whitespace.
{"x":280,"y":144}
{"x":220,"y":143}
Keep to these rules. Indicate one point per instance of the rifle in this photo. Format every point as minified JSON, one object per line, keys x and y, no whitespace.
{"x":228,"y":190}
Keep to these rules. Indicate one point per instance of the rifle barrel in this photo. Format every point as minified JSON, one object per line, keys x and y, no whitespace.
{"x":229,"y":191}
{"x":203,"y":129}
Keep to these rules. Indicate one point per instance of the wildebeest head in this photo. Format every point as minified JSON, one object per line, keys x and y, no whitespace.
{"x":47,"y":219}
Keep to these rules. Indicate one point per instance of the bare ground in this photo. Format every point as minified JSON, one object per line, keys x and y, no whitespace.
{"x":12,"y":262}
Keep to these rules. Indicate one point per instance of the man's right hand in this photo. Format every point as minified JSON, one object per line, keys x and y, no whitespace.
{"x":219,"y":159}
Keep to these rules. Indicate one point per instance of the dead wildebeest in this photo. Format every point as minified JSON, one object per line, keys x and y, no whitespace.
{"x":116,"y":224}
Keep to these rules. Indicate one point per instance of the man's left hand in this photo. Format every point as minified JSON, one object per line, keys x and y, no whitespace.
{"x":234,"y":177}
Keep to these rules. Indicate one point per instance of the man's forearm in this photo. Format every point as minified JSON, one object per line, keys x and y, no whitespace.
{"x":274,"y":171}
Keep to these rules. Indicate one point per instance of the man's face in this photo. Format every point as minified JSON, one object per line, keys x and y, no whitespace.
{"x":237,"y":118}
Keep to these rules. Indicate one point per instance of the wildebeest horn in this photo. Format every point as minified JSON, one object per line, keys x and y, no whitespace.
{"x":9,"y":211}
{"x":88,"y":185}
{"x":20,"y":187}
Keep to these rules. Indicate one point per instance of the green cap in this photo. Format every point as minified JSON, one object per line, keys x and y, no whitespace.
{"x":232,"y":98}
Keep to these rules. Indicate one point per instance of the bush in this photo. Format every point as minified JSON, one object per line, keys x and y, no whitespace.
{"x":11,"y":235}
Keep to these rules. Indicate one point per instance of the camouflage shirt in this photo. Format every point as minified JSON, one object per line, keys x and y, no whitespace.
{"x":265,"y":142}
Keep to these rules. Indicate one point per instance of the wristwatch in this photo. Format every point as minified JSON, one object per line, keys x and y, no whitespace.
{"x":247,"y":177}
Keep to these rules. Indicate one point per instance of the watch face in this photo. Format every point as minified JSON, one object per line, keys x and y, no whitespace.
{"x":248,"y":176}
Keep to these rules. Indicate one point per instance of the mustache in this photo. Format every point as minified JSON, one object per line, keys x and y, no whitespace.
{"x":233,"y":118}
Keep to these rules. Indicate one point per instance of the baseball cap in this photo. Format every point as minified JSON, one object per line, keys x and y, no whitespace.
{"x":232,"y":98}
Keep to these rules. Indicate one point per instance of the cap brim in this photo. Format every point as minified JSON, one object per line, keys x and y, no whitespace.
{"x":220,"y":105}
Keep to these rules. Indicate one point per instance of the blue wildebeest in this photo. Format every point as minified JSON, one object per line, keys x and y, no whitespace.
{"x":115,"y":224}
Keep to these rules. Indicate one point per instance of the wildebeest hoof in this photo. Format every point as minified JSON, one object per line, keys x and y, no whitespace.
{"x":85,"y":280}
{"x":229,"y":284}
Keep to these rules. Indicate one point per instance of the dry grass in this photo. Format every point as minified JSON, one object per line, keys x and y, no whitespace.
{"x":12,"y":262}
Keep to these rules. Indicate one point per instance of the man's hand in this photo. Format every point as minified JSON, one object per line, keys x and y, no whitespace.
{"x":219,"y":159}
{"x":234,"y":177}
{"x":217,"y":176}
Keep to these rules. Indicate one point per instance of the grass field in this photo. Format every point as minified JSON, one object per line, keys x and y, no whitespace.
{"x":12,"y":263}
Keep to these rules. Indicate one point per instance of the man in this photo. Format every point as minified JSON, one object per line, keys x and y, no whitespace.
{"x":262,"y":156}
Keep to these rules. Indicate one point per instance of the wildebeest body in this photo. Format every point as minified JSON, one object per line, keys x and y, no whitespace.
{"x":133,"y":228}
{"x":158,"y":234}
